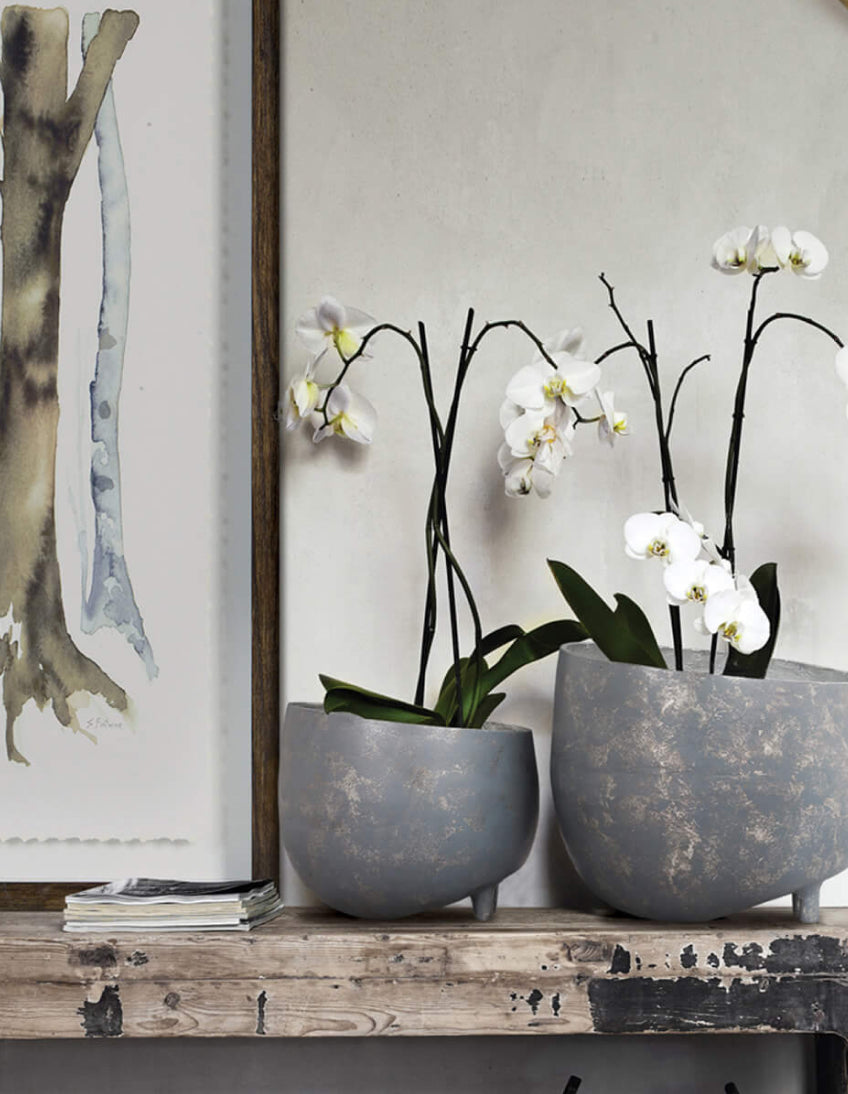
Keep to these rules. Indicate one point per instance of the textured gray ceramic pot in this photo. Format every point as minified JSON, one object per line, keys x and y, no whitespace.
{"x":685,"y":796}
{"x":384,"y":819}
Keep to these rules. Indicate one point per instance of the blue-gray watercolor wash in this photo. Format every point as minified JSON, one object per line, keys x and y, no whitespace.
{"x":109,"y":600}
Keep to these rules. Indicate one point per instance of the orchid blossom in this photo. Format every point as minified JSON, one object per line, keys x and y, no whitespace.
{"x":612,"y":423}
{"x":733,"y":252}
{"x":802,"y":252}
{"x":735,"y":614}
{"x":331,"y":323}
{"x":348,"y":414}
{"x":539,"y":386}
{"x":695,"y":581}
{"x":302,"y":398}
{"x":660,"y":535}
{"x":543,"y":438}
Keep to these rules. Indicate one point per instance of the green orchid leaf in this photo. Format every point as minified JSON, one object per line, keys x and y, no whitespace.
{"x":755,"y":665}
{"x":485,"y":708}
{"x":495,"y":639}
{"x":371,"y":704}
{"x":533,"y":646}
{"x":446,"y":704}
{"x":636,"y":621}
{"x":619,"y":635}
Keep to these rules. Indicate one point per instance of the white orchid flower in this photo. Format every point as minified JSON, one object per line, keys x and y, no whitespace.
{"x":734,"y":250}
{"x":302,"y":398}
{"x":736,"y":615}
{"x":537,"y":386}
{"x":518,"y":474}
{"x":696,"y":580}
{"x":660,"y":535}
{"x":534,"y":448}
{"x":544,"y":438}
{"x":802,"y":252}
{"x":613,"y":423}
{"x":761,"y":252}
{"x":348,"y":415}
{"x":521,"y":476}
{"x":331,"y":323}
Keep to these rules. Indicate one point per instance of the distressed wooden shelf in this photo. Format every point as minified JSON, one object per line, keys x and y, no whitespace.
{"x":542,"y":971}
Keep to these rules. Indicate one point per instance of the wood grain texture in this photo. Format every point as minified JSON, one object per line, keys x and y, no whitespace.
{"x":314,"y":973}
{"x":50,"y":896}
{"x":265,"y":437}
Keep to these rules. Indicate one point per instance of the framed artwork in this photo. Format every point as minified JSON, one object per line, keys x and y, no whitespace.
{"x":140,"y":694}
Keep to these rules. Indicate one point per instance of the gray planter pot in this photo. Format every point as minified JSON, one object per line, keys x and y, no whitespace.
{"x":685,"y":796}
{"x":383,"y":819}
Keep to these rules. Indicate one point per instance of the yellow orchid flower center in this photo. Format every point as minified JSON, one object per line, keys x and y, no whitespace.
{"x":658,"y":548}
{"x":346,"y":343}
{"x":557,"y":387}
{"x":697,"y":593}
{"x":730,"y":631}
{"x":546,"y":435}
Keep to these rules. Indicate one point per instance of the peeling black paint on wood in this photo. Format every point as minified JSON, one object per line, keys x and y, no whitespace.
{"x":260,"y":1013}
{"x":799,"y":953}
{"x":712,"y":960}
{"x":534,"y":999}
{"x":97,"y":956}
{"x":620,"y":960}
{"x":137,"y":958}
{"x":682,"y":1004}
{"x":688,"y":957}
{"x":104,"y":1018}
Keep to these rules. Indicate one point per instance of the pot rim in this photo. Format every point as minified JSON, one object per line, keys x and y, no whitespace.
{"x":788,"y":672}
{"x":493,"y":728}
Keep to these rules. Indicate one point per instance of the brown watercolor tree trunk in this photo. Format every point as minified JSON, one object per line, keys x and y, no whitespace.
{"x":45,"y":135}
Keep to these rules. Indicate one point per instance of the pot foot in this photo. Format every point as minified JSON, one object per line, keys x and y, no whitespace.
{"x":805,"y":904}
{"x":484,"y":902}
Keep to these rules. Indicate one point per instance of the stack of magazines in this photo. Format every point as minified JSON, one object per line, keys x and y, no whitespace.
{"x":150,"y":904}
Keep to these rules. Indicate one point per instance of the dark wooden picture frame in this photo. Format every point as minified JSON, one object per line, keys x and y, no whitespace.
{"x":265,"y":280}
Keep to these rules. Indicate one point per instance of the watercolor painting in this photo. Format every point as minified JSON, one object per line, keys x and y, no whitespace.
{"x":46,"y":131}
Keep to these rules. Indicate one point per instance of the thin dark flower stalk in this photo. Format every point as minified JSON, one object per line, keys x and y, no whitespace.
{"x":669,"y":486}
{"x":676,"y":392}
{"x":731,"y":477}
{"x":643,"y":353}
{"x":440,"y":529}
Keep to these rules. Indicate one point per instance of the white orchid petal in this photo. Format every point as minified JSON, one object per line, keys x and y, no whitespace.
{"x":640,"y":531}
{"x":781,"y":241}
{"x":331,"y":315}
{"x":508,"y":413}
{"x":543,"y":481}
{"x":812,"y":255}
{"x":841,"y":363}
{"x":731,"y":251}
{"x":684,"y":544}
{"x":527,"y":387}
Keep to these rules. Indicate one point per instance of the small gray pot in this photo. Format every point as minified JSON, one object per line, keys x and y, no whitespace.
{"x":684,"y":796}
{"x":385,"y":819}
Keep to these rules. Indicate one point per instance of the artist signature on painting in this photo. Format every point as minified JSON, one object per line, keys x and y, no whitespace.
{"x":97,"y":722}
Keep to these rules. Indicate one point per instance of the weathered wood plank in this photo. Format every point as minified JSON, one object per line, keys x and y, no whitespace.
{"x":313,"y":973}
{"x":533,"y":942}
{"x":302,"y":1008}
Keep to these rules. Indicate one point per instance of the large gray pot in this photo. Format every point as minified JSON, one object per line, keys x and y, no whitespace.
{"x":684,"y":796}
{"x":385,"y":819}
